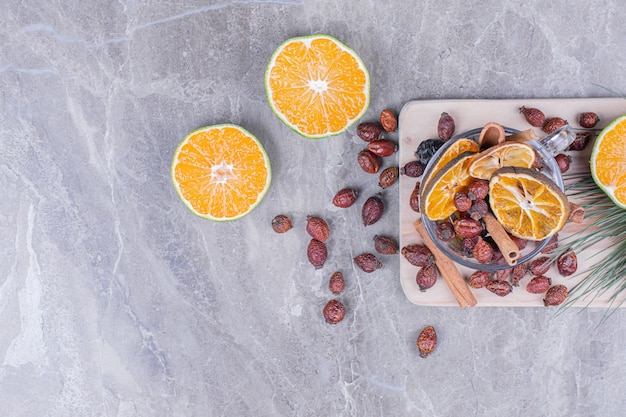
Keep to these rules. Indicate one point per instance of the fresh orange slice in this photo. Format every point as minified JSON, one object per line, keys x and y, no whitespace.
{"x":608,"y":161}
{"x":221,"y":172}
{"x":437,"y":199}
{"x":317,"y":85}
{"x":507,"y":154}
{"x":527,"y":203}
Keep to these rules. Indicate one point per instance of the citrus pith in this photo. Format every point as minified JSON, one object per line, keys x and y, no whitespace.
{"x":221,"y":172}
{"x":608,"y":161}
{"x":516,"y":154}
{"x":317,"y":85}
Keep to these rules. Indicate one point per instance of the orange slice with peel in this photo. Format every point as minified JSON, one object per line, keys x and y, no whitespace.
{"x":221,"y":172}
{"x":459,"y":146}
{"x":317,"y":85}
{"x":608,"y":161}
{"x":527,"y":204}
{"x":515,"y":154}
{"x":437,"y":198}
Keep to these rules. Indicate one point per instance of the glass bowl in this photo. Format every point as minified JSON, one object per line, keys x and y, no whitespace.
{"x":545,"y":148}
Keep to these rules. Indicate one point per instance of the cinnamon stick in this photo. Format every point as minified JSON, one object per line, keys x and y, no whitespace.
{"x":491,"y":134}
{"x":523,"y":136}
{"x":509,"y":249}
{"x":450,"y":273}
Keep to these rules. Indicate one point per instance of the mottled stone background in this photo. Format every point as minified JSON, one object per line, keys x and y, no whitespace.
{"x":116,"y":301}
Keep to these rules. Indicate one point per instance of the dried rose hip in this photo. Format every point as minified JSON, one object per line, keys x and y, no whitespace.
{"x":388,"y":120}
{"x":533,"y":116}
{"x":467,"y":244}
{"x":281,"y":223}
{"x":555,"y":295}
{"x":382,"y":147}
{"x":582,"y":138}
{"x":552,"y":124}
{"x":502,"y":274}
{"x":499,"y":288}
{"x":478,"y":189}
{"x":478,"y":210}
{"x":317,"y":228}
{"x":521,"y":243}
{"x":413,"y":169}
{"x":538,"y":284}
{"x":518,"y":272}
{"x":445,"y":126}
{"x":563,"y":161}
{"x":372,"y":211}
{"x":426,"y":341}
{"x":445,"y":231}
{"x":385,"y":245}
{"x":483,"y":251}
{"x":388,"y":177}
{"x":588,"y":120}
{"x":345,"y":198}
{"x":462,"y":202}
{"x":334,"y":312}
{"x":478,"y":279}
{"x":567,"y":263}
{"x":369,"y":131}
{"x":552,"y":244}
{"x":367,"y":262}
{"x":426,"y":277}
{"x":414,"y":199}
{"x":336,"y":284}
{"x":317,"y":253}
{"x":467,"y":227}
{"x":427,"y":148}
{"x":418,"y":255}
{"x":368,"y":161}
{"x":540,"y":266}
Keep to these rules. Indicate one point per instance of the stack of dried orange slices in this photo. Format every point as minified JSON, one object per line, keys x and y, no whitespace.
{"x":527,"y":203}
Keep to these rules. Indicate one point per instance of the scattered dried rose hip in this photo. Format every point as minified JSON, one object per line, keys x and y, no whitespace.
{"x":367,"y":262}
{"x":540,"y":266}
{"x":368,"y":161}
{"x":336,"y":284}
{"x":345,"y":198}
{"x":538,"y":284}
{"x":369,"y":131}
{"x":372,"y":211}
{"x":499,"y":288}
{"x":588,"y":120}
{"x":388,"y":120}
{"x":563,"y":161}
{"x":426,"y":277}
{"x":445,"y":126}
{"x":567,"y":263}
{"x":385,"y":245}
{"x":483,"y":251}
{"x":413,"y":169}
{"x":418,"y":255}
{"x":281,"y":223}
{"x":382,"y":147}
{"x":518,"y":272}
{"x":478,"y":279}
{"x":445,"y":231}
{"x":462,"y":202}
{"x":466,"y":227}
{"x":555,"y":295}
{"x":552,"y":124}
{"x":414,"y":199}
{"x":388,"y":177}
{"x":533,"y":116}
{"x":478,"y":189}
{"x":317,"y":253}
{"x":334,"y":312}
{"x":502,"y":274}
{"x":582,"y":139}
{"x":426,"y":341}
{"x":317,"y":228}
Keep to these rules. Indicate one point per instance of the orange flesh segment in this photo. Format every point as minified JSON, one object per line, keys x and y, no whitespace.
{"x":610,"y":161}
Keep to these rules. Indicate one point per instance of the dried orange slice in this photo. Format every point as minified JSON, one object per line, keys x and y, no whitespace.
{"x":221,"y":172}
{"x":507,"y":154}
{"x":608,"y":161}
{"x":437,"y":199}
{"x":457,"y":148}
{"x":317,"y":85}
{"x":527,"y":203}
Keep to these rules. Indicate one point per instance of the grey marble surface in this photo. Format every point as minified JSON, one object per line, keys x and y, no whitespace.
{"x":116,"y":301}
